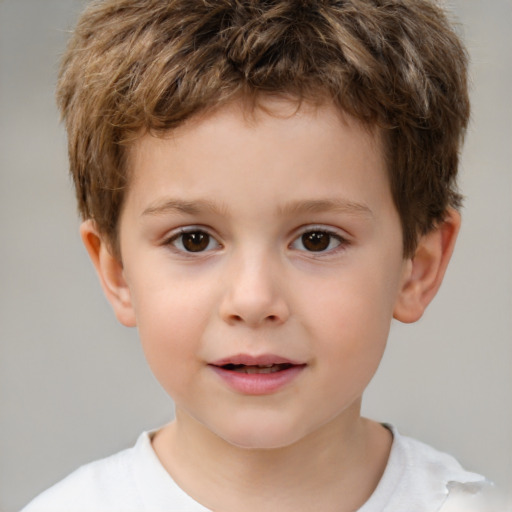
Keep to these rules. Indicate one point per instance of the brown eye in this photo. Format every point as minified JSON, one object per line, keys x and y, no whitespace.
{"x":193,"y":241}
{"x":316,"y":241}
{"x":196,"y":241}
{"x":319,"y":241}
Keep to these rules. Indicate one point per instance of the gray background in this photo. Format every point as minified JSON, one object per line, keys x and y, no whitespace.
{"x":74,"y":385}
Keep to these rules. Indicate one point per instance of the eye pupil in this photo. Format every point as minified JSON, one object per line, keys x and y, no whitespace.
{"x":316,"y":241}
{"x":196,"y":241}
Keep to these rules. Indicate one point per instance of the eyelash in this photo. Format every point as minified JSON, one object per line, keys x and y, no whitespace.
{"x":341,"y":242}
{"x":178,"y":237}
{"x":190,"y":231}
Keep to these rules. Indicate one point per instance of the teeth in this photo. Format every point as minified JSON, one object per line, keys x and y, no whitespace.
{"x":258,"y":369}
{"x":262,"y":368}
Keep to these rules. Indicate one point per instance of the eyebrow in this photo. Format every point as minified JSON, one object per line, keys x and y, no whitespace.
{"x":180,"y":206}
{"x":196,"y":207}
{"x":335,"y":205}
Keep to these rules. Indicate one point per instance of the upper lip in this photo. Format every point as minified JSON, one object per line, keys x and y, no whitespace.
{"x":249,"y":360}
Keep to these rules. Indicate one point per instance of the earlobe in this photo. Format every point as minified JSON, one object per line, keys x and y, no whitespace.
{"x":424,"y":272}
{"x":110,"y":273}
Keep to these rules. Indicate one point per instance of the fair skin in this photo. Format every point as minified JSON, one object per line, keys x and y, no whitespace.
{"x":262,"y":264}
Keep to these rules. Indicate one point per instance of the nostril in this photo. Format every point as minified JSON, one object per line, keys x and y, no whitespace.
{"x":252,"y":311}
{"x":268,"y":318}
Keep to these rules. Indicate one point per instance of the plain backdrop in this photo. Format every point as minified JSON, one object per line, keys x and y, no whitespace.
{"x":74,"y":385}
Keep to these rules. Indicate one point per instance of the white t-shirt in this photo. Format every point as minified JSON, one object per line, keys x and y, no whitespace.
{"x":417,"y":478}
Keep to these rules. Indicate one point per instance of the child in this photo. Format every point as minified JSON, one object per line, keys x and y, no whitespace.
{"x":264,"y":186}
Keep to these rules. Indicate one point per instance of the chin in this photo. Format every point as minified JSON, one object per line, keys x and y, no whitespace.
{"x":259,"y":436}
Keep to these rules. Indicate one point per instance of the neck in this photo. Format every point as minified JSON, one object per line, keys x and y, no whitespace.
{"x":335,"y":468}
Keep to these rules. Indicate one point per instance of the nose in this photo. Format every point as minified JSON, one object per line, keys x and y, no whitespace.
{"x":253,"y":295}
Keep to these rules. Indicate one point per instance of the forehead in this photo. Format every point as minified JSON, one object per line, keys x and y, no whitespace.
{"x":280,"y":141}
{"x":274,"y":113}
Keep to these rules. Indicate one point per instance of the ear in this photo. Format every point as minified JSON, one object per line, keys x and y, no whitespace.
{"x":110,"y":273}
{"x":424,"y":272}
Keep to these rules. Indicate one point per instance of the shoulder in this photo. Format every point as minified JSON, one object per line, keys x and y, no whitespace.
{"x":442,"y":481}
{"x":424,"y":460}
{"x":106,"y":484}
{"x":418,"y":477}
{"x":133,"y":480}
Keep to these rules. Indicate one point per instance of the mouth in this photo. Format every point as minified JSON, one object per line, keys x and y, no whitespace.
{"x":261,"y":369}
{"x":260,"y":375}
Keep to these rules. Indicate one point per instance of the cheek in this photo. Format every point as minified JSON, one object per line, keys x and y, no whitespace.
{"x":170,"y":321}
{"x":352,"y":307}
{"x":355,"y":337}
{"x":352,"y":317}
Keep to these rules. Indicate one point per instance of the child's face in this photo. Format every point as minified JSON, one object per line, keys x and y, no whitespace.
{"x":265,"y":236}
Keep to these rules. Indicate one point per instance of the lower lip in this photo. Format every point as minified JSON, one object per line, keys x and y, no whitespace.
{"x":258,"y":383}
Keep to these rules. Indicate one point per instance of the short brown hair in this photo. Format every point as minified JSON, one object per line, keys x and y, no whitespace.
{"x":134,"y":66}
